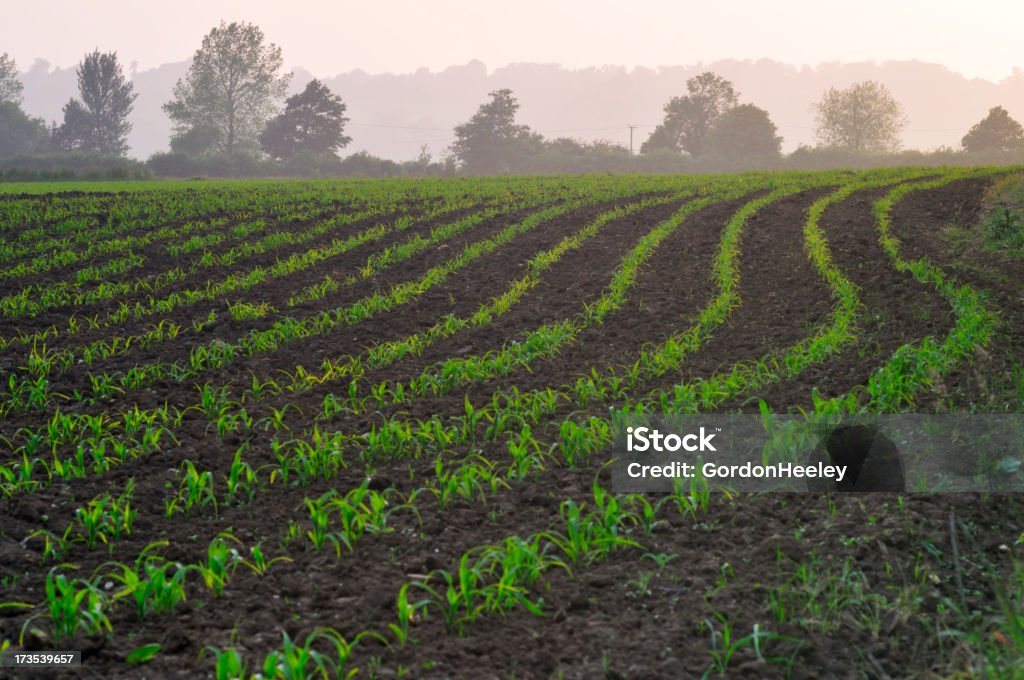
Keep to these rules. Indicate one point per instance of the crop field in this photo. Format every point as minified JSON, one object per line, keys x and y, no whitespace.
{"x":322,"y":429}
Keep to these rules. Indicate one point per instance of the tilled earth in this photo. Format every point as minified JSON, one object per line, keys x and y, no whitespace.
{"x":658,"y":610}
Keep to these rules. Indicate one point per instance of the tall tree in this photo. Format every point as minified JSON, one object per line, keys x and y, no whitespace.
{"x":744,"y":134}
{"x":10,"y":86}
{"x":313,"y":121}
{"x":232,"y":88}
{"x":995,"y":132}
{"x":491,"y":141}
{"x":99,"y":122}
{"x":21,"y":134}
{"x":863,"y":117}
{"x":689,"y":118}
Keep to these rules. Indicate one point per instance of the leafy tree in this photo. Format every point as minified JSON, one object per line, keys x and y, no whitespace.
{"x":99,"y":122}
{"x":567,"y":155}
{"x":363,"y":164}
{"x":863,"y":117}
{"x":21,"y":135}
{"x":313,"y":121}
{"x":424,"y":164}
{"x":76,"y":130}
{"x":688,"y":119}
{"x":491,"y":141}
{"x":995,"y":132}
{"x":662,"y":139}
{"x":195,"y":141}
{"x":10,"y":86}
{"x":231,"y":89}
{"x":744,"y":133}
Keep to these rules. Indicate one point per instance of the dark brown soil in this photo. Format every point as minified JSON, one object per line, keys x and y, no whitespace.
{"x":622,"y":616}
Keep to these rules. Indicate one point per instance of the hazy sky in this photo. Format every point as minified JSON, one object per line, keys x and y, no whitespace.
{"x":979,"y":38}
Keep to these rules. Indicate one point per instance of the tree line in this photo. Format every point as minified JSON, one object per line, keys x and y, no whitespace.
{"x":230,"y":116}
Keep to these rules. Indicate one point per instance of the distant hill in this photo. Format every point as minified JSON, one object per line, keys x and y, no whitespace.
{"x":394,"y":115}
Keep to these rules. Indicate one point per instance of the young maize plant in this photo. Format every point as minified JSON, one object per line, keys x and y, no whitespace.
{"x":195,"y":492}
{"x":219,"y":353}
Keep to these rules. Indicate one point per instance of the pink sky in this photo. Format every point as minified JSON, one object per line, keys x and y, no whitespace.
{"x":980,"y":38}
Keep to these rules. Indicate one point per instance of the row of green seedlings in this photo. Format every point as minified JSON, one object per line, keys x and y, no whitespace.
{"x":387,"y":353}
{"x":66,"y":217}
{"x":890,"y":387}
{"x":104,"y":520}
{"x":486,"y":580}
{"x":63,"y":256}
{"x":154,"y":585}
{"x":284,"y":332}
{"x":513,"y":410}
{"x":34,"y":300}
{"x":497,"y":578}
{"x":85,"y":231}
{"x":828,"y":339}
{"x":229,"y":416}
{"x":545,"y":341}
{"x":82,"y":216}
{"x":146,"y":210}
{"x":41,"y":363}
{"x":913,"y":366}
{"x":99,"y":442}
{"x":151,"y":584}
{"x":707,"y":393}
{"x":273,"y":241}
{"x":95,"y":272}
{"x":455,"y":200}
{"x":712,"y":391}
{"x":395,"y":438}
{"x":301,"y":462}
{"x":424,"y":435}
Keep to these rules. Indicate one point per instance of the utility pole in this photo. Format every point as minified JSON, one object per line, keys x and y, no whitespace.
{"x":631,"y":128}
